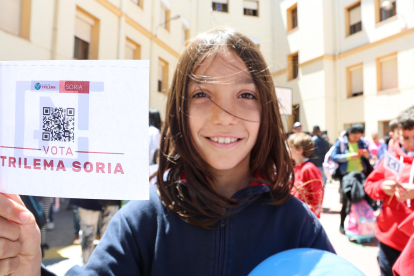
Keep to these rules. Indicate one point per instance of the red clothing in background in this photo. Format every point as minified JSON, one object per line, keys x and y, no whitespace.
{"x":393,"y":213}
{"x":311,"y":193}
{"x":405,"y":263}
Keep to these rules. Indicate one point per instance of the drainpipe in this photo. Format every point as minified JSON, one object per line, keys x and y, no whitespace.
{"x":53,"y":53}
{"x":338,"y":75}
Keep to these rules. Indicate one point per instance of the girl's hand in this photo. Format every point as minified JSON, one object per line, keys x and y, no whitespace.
{"x":354,"y":155}
{"x":388,"y":186}
{"x":365,"y":153}
{"x":20,"y":252}
{"x":404,"y":191}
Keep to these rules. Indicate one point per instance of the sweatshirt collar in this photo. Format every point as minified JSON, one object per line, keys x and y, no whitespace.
{"x":251,"y":191}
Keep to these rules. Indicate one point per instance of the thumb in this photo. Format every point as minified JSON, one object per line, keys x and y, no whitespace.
{"x":11,"y":210}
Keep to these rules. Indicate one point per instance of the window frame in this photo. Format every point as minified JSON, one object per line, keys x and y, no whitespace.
{"x":292,"y":69}
{"x":164,"y":80}
{"x":24,"y":21}
{"x":349,"y":80}
{"x":379,"y":61}
{"x":347,"y":19}
{"x":290,"y":26}
{"x":94,"y":44}
{"x":248,"y":11}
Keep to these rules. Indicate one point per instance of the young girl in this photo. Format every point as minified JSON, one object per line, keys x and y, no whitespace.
{"x":308,"y":179}
{"x":224,"y":205}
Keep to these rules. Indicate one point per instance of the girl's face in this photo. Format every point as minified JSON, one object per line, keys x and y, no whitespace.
{"x":407,"y":139}
{"x":220,"y":131}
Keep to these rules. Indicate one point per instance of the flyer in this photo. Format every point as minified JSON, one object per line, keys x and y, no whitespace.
{"x":76,"y":129}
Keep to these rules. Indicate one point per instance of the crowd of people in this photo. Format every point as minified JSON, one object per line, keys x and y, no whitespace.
{"x":361,"y":161}
{"x":225,"y":175}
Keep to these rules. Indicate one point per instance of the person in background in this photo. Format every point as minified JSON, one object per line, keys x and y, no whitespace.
{"x":393,"y":135}
{"x":154,"y":135}
{"x":382,"y":184}
{"x":373,"y":147}
{"x":355,"y":149}
{"x":297,"y":127}
{"x":325,"y":136}
{"x":89,"y":212}
{"x":308,"y":178}
{"x":321,"y":148}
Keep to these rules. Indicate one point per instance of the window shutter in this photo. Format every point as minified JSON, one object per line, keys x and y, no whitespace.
{"x":251,"y":5}
{"x":221,"y":1}
{"x":389,"y":73}
{"x":357,"y":80}
{"x":355,"y":15}
{"x":130,"y":49}
{"x":83,"y":27}
{"x":10,"y":16}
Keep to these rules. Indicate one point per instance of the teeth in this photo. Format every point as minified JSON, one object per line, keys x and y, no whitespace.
{"x":223,"y":140}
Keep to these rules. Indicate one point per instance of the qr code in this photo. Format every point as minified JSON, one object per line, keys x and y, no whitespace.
{"x":58,"y":124}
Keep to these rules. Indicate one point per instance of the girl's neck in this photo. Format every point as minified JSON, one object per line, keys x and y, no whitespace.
{"x":230,"y":181}
{"x":300,"y":159}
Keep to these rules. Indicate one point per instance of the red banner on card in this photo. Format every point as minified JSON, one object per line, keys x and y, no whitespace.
{"x":81,"y":87}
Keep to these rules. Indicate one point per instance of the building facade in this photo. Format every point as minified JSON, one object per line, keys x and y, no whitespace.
{"x":346,"y":61}
{"x":123,"y":29}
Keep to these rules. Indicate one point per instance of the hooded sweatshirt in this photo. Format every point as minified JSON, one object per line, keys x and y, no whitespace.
{"x":405,"y":263}
{"x":145,"y":238}
{"x":393,"y":213}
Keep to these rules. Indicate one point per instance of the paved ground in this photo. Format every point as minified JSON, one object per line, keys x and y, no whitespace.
{"x":62,"y":254}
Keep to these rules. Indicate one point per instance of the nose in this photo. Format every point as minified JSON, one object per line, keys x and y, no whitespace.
{"x":224,"y":112}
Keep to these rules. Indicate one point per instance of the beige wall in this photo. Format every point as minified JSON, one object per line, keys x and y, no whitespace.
{"x":325,"y":53}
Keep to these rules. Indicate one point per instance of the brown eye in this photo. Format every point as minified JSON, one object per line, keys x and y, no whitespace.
{"x":200,"y":95}
{"x":247,"y":96}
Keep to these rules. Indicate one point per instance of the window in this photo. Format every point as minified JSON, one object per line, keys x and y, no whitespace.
{"x":293,"y":61}
{"x":165,"y":14}
{"x":292,"y":17}
{"x":388,"y":8}
{"x":86,"y":36}
{"x":387,"y":68}
{"x":185,"y":34}
{"x":15,"y":17}
{"x":10,"y":16}
{"x":132,"y":50}
{"x":162,"y":76}
{"x":140,"y":3}
{"x":355,"y":81}
{"x":251,"y":8}
{"x":354,"y":14}
{"x":221,"y":5}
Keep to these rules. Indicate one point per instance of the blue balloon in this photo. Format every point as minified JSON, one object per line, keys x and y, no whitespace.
{"x":305,"y":261}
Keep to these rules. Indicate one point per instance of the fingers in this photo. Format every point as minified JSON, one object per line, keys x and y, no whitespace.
{"x":11,"y":210}
{"x":9,"y":249}
{"x":9,"y":230}
{"x":9,"y":265}
{"x":15,"y":198}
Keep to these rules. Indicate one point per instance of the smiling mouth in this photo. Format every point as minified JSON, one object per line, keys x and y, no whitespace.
{"x":223,"y":140}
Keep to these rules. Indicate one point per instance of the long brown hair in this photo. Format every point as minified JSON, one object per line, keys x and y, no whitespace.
{"x":197,"y":202}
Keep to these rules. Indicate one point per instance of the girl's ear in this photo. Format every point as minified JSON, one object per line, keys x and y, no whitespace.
{"x":300,"y":150}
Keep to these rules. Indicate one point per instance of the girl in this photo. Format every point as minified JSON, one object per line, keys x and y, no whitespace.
{"x":308,"y":179}
{"x":225,"y":197}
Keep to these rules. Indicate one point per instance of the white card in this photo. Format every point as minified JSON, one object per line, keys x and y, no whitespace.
{"x":75,"y":129}
{"x":392,"y":164}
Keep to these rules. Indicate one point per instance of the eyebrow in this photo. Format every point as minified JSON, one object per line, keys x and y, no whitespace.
{"x":246,"y":80}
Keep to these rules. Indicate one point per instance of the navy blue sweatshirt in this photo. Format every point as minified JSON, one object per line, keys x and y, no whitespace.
{"x":145,"y":238}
